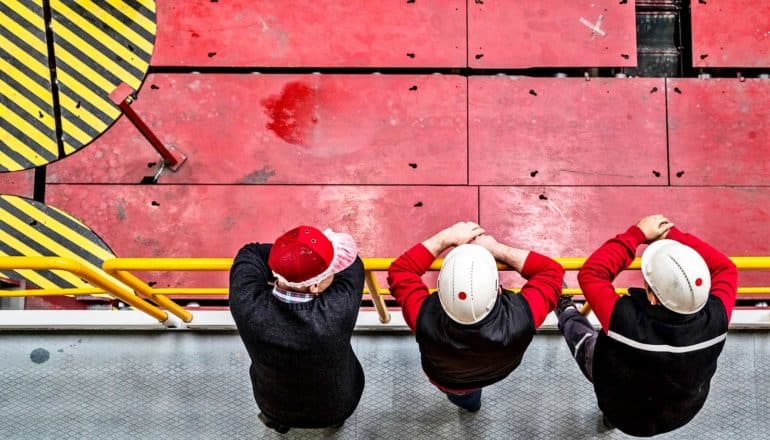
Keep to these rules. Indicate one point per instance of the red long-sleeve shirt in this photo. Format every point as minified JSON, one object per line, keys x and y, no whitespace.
{"x":615,"y":255}
{"x":542,"y":290}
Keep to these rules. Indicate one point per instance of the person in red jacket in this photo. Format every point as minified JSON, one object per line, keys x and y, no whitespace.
{"x":472,"y":333}
{"x":652,"y":363}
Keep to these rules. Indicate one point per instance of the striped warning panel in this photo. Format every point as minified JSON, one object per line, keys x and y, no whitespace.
{"x":27,"y":121}
{"x":98,"y":45}
{"x":30,"y":228}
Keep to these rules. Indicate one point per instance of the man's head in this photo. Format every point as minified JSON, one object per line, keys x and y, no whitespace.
{"x":306,"y":259}
{"x":468,"y":283}
{"x":677,"y":276}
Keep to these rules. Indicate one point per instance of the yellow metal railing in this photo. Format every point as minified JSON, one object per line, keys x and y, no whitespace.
{"x":118,"y":279}
{"x":94,"y":277}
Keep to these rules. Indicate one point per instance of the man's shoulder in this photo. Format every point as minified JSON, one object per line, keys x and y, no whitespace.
{"x":251,"y":249}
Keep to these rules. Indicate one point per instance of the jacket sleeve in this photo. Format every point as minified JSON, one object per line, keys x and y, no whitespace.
{"x":544,"y":283}
{"x":351,"y":281}
{"x":406,"y":285}
{"x":602,"y":267}
{"x":724,"y":274}
{"x":249,"y":275}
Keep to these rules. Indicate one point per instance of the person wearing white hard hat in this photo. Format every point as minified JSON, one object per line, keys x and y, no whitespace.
{"x":652,"y":362}
{"x":295,"y":303}
{"x":472,"y":333}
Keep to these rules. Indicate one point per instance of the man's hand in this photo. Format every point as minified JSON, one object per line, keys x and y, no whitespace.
{"x":654,"y":227}
{"x":511,"y":256}
{"x":455,"y":235}
{"x":461,"y":233}
{"x":488,"y":242}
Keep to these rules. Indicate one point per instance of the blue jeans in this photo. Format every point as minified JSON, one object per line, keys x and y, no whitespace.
{"x":470,"y":401}
{"x":581,"y":339}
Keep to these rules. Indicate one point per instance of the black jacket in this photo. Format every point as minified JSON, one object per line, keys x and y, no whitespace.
{"x":460,"y":357}
{"x":304,"y":372}
{"x":653,"y":369}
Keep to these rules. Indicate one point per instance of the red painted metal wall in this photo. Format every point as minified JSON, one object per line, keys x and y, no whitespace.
{"x":20,"y":183}
{"x":290,"y":129}
{"x":314,"y":33}
{"x":719,"y":131}
{"x":733,"y":33}
{"x":567,"y":131}
{"x":551,"y":33}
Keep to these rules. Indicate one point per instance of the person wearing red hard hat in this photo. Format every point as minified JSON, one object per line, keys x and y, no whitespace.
{"x":295,"y":303}
{"x":652,"y":363}
{"x":472,"y":333}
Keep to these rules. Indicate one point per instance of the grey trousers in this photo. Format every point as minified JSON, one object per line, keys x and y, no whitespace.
{"x":581,"y":339}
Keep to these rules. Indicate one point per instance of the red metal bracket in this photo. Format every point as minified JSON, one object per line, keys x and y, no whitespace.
{"x":122,"y":96}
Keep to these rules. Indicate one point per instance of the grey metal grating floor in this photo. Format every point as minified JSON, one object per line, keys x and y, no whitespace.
{"x":194,"y":385}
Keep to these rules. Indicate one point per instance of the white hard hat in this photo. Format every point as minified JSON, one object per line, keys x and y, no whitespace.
{"x":677,"y":275}
{"x":467,"y":283}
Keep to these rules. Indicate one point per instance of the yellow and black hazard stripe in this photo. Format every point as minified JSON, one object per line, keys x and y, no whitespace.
{"x":27,"y":118}
{"x":93,"y":46}
{"x":30,"y":228}
{"x":98,"y":45}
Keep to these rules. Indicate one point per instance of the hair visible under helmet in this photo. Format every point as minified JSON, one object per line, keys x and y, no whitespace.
{"x":305,"y":256}
{"x":677,"y":275}
{"x":467,"y":283}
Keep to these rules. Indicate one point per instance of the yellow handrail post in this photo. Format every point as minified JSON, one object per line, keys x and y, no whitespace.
{"x":374,"y":292}
{"x":146,"y":290}
{"x":120,"y":267}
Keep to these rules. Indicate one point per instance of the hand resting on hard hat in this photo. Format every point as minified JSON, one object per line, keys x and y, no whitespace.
{"x":655,"y":227}
{"x":505,"y":254}
{"x":455,"y":235}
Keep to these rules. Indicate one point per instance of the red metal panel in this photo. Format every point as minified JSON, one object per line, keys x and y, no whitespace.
{"x":20,"y":183}
{"x":718,"y":131}
{"x":551,"y":33}
{"x":733,"y":33}
{"x":567,"y":131}
{"x":316,"y":33}
{"x":575,"y":221}
{"x":350,"y":129}
{"x":215,"y":221}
